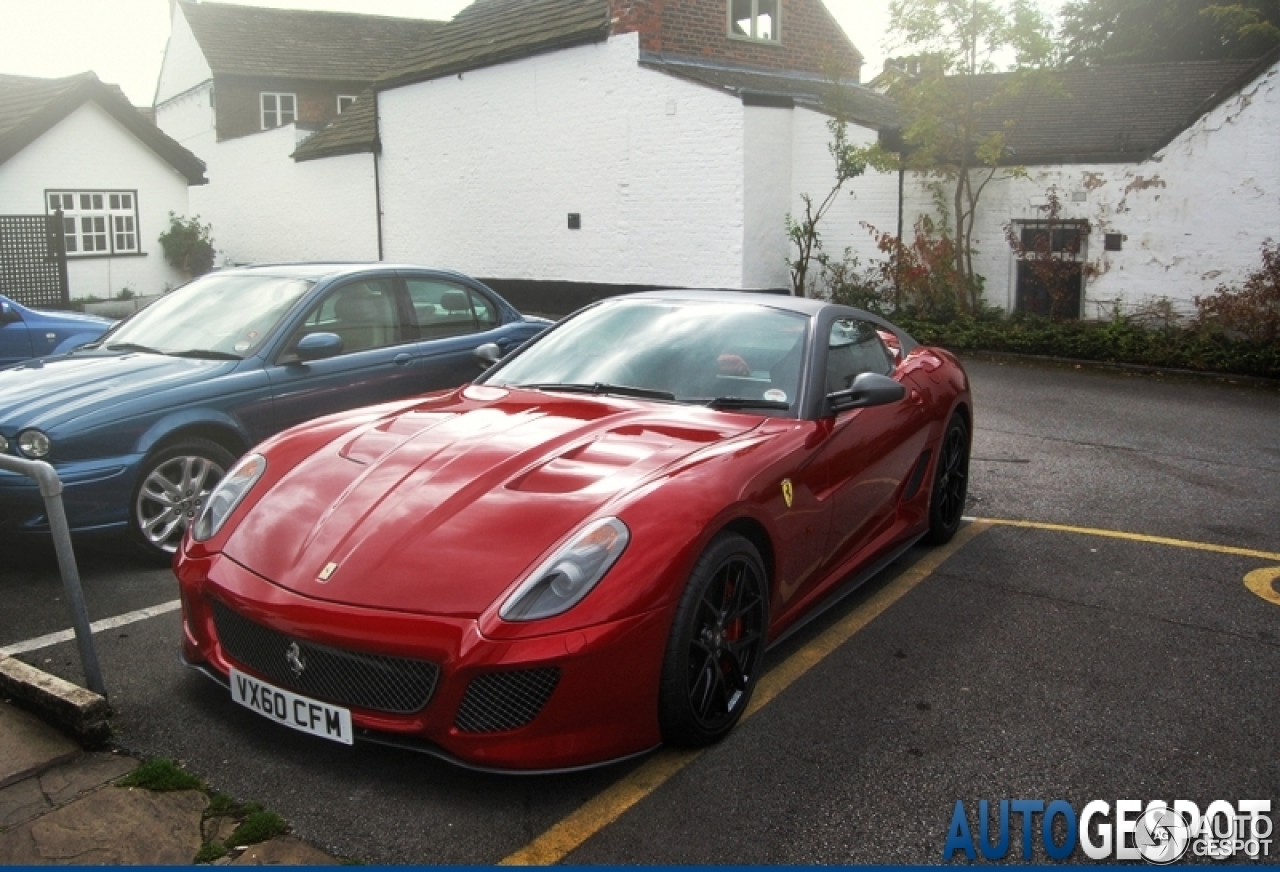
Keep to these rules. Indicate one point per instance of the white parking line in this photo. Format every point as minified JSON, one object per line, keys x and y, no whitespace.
{"x":97,"y":627}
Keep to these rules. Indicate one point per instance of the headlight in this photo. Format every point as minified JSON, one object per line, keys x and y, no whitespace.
{"x":227,"y":495}
{"x":33,"y":444}
{"x":561,"y":581}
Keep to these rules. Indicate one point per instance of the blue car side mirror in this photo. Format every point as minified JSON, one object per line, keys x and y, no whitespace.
{"x":317,"y":346}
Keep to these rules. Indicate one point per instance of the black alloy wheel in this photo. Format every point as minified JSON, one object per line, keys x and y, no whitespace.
{"x":716,"y":645}
{"x":950,"y":483}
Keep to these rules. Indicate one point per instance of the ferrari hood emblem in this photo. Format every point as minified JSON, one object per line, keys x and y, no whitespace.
{"x":327,"y":572}
{"x":788,"y":494}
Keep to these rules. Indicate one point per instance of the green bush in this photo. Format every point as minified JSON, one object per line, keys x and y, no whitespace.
{"x":1116,"y":341}
{"x":188,"y":246}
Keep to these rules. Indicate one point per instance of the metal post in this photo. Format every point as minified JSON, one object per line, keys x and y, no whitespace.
{"x":51,"y":490}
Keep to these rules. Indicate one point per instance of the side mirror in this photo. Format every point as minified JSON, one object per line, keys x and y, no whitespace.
{"x":318,"y":346}
{"x":7,"y":313}
{"x":868,"y":389}
{"x":487,"y":355}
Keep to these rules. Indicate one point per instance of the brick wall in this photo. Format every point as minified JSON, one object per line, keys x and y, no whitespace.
{"x":811,"y":40}
{"x":238,"y":106}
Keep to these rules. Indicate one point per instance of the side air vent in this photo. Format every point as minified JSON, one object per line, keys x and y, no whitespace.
{"x":503,"y":701}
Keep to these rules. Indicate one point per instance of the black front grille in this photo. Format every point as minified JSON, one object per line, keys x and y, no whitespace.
{"x":505,"y":700}
{"x":352,"y":678}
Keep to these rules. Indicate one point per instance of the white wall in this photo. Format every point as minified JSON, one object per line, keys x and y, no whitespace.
{"x":1194,"y":216}
{"x":871,"y":198}
{"x":480,"y":171}
{"x":265,"y":207}
{"x":188,"y":119}
{"x":768,"y":150}
{"x":184,"y":64}
{"x":90,"y":150}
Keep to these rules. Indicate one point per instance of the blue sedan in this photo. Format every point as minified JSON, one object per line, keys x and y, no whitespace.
{"x":27,"y":333}
{"x":141,"y":425}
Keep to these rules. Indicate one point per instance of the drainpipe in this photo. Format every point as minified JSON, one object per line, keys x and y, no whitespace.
{"x":377,"y":176}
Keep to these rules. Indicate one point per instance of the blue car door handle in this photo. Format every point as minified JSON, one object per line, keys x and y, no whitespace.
{"x":402,"y":359}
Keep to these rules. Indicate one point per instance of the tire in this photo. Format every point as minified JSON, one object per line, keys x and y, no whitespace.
{"x":716,"y":646}
{"x":950,"y":483}
{"x":172,"y":487}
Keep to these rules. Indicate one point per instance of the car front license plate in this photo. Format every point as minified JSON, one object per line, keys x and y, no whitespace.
{"x":288,"y":708}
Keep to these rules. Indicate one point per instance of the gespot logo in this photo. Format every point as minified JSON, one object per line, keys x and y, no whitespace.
{"x":1158,"y":833}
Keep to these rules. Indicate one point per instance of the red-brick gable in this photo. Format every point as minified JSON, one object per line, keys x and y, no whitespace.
{"x":811,"y":40}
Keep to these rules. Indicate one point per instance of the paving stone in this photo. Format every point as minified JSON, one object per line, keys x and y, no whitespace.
{"x":283,"y":851}
{"x":112,"y":826}
{"x":219,"y":829}
{"x":21,"y":802}
{"x":68,"y":780}
{"x":28,"y":745}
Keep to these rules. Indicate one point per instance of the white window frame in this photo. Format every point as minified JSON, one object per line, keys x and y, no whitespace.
{"x":277,"y":116}
{"x":97,"y":223}
{"x":346,"y":99}
{"x":775,"y":38}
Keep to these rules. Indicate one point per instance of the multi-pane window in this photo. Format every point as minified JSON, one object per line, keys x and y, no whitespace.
{"x":278,"y":110}
{"x":97,"y":222}
{"x":344,"y":102}
{"x":754,"y":19}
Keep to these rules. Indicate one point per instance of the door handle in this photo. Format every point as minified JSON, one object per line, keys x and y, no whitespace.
{"x":402,"y":359}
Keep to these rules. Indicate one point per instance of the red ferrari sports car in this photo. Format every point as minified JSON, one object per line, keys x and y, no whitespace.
{"x":586,"y":552}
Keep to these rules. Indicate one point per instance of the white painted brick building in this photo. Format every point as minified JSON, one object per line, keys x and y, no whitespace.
{"x":78,"y":145}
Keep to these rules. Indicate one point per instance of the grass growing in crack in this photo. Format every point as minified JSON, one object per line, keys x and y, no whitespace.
{"x":257,"y":827}
{"x":210,"y":851}
{"x":161,"y":774}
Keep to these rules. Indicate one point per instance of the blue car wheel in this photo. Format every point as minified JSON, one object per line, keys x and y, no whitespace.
{"x":172,"y":487}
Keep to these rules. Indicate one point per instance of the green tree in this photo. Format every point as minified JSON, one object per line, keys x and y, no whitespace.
{"x":957,"y":114}
{"x":1102,"y":32}
{"x":850,"y":162}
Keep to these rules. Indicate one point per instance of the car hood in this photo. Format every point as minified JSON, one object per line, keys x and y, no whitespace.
{"x":46,"y":393}
{"x":441,"y":507}
{"x":44,"y":319}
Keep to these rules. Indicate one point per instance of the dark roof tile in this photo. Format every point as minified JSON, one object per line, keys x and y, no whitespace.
{"x":858,"y":103}
{"x":1111,"y":114}
{"x":30,"y":107}
{"x":352,"y":132}
{"x":292,"y":43}
{"x":495,"y":31}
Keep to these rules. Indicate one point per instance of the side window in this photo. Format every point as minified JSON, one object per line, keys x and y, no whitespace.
{"x":362,"y":313}
{"x":854,"y":348}
{"x":443,"y":308}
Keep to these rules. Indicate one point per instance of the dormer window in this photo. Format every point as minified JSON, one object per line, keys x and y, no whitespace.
{"x":754,"y":19}
{"x":278,"y":110}
{"x":345,"y":102}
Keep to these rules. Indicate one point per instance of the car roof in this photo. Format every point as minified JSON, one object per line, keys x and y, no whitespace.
{"x":323,"y":270}
{"x":802,"y":305}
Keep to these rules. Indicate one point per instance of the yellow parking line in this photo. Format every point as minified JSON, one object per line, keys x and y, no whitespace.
{"x":597,"y":813}
{"x":1135,"y":537}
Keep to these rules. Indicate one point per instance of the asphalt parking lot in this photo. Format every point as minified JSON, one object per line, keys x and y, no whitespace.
{"x":1106,"y":646}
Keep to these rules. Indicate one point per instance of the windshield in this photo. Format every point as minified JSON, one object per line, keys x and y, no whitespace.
{"x":218,"y":315}
{"x":729,"y":355}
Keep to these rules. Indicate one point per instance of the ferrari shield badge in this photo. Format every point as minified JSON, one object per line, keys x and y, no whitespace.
{"x":788,"y":494}
{"x":328,"y":571}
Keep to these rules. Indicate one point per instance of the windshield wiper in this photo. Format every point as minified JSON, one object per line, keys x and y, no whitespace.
{"x":206,"y":354}
{"x":601,"y":388}
{"x":747,"y":403}
{"x":131,"y":346}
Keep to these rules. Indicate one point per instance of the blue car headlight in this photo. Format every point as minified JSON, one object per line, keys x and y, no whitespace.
{"x":561,"y":581}
{"x":227,"y":495}
{"x":33,"y":444}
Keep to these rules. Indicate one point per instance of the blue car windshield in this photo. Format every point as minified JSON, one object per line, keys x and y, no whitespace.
{"x":725,"y":355}
{"x":217,"y":315}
